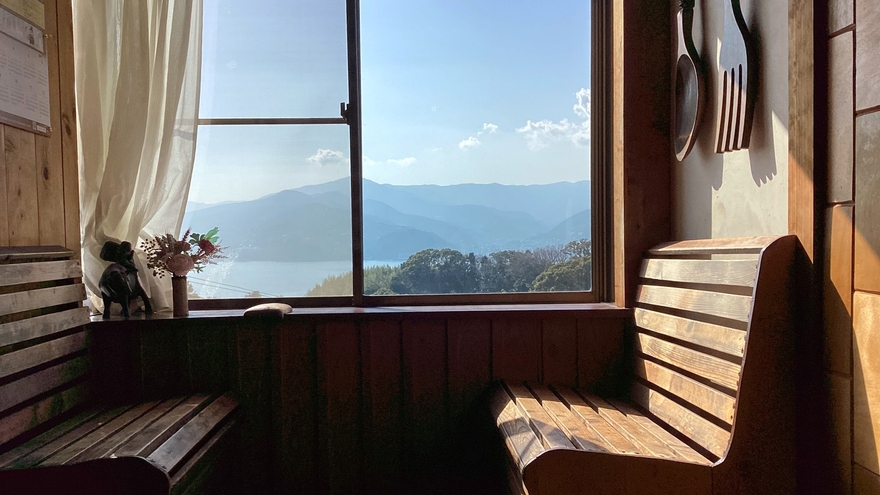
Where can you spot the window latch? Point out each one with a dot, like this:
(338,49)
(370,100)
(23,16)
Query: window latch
(344,109)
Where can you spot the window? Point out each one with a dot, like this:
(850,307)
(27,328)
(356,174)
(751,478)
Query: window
(465,141)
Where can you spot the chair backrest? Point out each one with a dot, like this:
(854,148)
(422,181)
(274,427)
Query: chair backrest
(44,358)
(693,319)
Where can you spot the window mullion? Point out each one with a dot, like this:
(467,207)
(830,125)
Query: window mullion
(354,120)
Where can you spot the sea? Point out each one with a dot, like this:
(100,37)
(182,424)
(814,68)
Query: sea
(234,279)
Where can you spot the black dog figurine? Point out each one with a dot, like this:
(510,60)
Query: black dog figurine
(119,282)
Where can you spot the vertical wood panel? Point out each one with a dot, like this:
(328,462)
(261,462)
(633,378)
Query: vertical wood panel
(516,349)
(295,397)
(560,351)
(207,354)
(838,289)
(163,358)
(339,386)
(470,358)
(21,187)
(600,355)
(424,375)
(67,126)
(4,215)
(50,170)
(382,406)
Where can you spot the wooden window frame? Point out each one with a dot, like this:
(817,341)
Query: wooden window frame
(601,146)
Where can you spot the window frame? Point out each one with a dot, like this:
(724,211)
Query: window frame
(601,147)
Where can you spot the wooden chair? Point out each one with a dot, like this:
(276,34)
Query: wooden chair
(56,429)
(711,404)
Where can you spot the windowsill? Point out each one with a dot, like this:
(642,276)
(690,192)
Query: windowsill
(579,310)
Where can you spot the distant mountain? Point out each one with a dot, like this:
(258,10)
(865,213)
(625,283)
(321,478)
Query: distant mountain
(313,223)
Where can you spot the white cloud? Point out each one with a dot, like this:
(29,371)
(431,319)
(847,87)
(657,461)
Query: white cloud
(542,133)
(469,143)
(328,157)
(402,162)
(488,129)
(369,162)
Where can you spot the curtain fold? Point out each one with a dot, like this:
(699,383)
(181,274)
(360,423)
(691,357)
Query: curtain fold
(138,68)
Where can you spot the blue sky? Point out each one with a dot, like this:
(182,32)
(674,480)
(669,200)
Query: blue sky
(454,91)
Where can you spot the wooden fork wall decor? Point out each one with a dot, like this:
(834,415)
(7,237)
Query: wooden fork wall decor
(737,77)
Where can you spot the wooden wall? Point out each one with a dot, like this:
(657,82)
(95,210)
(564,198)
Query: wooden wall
(852,244)
(361,404)
(39,195)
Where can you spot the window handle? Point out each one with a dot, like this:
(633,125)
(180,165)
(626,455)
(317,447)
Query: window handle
(343,111)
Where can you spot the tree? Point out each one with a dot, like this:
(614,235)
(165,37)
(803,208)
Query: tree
(571,275)
(436,271)
(510,271)
(578,249)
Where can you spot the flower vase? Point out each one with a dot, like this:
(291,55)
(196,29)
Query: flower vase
(180,296)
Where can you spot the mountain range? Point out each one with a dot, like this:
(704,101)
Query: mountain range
(313,223)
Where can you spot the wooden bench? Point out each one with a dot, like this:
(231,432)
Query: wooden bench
(710,409)
(56,429)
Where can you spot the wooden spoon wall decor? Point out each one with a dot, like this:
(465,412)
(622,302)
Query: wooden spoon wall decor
(689,84)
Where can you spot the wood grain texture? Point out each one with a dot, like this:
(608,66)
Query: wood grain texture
(516,349)
(424,384)
(702,247)
(840,405)
(840,14)
(713,369)
(718,404)
(867,63)
(560,351)
(382,406)
(683,450)
(600,355)
(42,326)
(866,380)
(582,435)
(590,416)
(4,194)
(50,170)
(66,428)
(17,302)
(42,411)
(841,112)
(801,131)
(26,273)
(715,272)
(35,384)
(838,288)
(21,187)
(157,432)
(646,442)
(718,304)
(470,351)
(720,338)
(518,434)
(867,209)
(30,357)
(339,389)
(67,128)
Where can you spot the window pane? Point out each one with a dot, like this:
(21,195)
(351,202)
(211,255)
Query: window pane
(273,58)
(281,196)
(476,137)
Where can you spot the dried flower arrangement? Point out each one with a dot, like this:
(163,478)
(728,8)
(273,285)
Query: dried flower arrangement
(167,254)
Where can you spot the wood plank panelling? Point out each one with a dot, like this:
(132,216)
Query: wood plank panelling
(382,406)
(600,355)
(559,346)
(39,178)
(516,350)
(838,288)
(470,360)
(339,407)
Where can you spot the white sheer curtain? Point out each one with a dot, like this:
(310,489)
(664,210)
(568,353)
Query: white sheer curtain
(137,86)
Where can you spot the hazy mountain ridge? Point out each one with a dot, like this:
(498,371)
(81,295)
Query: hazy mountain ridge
(313,223)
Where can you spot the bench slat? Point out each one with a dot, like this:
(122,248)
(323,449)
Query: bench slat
(38,383)
(583,435)
(42,411)
(630,428)
(706,398)
(94,437)
(671,440)
(17,302)
(708,435)
(730,306)
(521,441)
(36,355)
(551,435)
(587,414)
(741,245)
(185,440)
(156,433)
(717,337)
(740,273)
(184,476)
(16,254)
(41,440)
(716,370)
(108,447)
(28,273)
(42,326)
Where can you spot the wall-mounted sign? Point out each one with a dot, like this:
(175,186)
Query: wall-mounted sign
(24,67)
